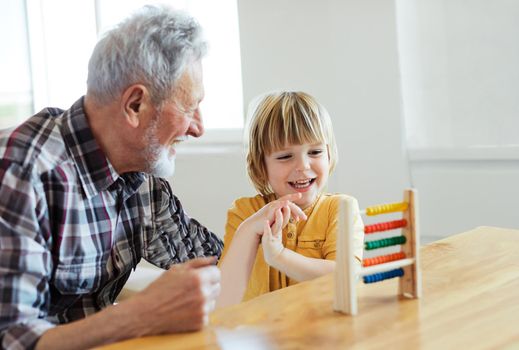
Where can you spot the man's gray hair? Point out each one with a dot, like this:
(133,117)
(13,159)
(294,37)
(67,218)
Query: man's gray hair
(152,47)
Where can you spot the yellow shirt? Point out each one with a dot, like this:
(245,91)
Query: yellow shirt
(314,238)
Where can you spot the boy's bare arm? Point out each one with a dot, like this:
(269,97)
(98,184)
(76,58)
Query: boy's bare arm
(296,266)
(301,268)
(237,265)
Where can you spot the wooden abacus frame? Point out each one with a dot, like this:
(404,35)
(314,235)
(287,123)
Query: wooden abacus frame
(346,272)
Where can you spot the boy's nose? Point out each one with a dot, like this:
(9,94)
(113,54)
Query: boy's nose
(303,164)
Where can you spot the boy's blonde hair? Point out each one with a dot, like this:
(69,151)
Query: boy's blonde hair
(277,119)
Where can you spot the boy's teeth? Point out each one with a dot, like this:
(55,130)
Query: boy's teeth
(301,183)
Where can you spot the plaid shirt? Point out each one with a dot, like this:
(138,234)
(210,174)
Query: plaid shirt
(72,229)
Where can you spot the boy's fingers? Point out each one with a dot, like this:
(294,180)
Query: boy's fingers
(291,197)
(286,215)
(266,230)
(274,206)
(278,223)
(286,201)
(297,213)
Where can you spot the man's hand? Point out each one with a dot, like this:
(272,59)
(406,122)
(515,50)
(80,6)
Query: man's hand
(180,299)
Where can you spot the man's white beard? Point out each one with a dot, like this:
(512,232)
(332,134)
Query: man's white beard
(164,165)
(160,162)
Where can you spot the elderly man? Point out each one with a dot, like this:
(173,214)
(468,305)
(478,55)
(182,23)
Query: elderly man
(82,198)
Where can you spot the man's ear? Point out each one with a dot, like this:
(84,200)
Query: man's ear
(132,102)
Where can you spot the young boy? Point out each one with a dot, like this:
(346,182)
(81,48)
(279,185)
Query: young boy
(286,233)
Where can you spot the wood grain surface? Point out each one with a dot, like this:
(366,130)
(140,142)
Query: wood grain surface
(470,301)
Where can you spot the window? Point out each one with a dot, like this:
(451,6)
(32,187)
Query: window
(53,40)
(15,84)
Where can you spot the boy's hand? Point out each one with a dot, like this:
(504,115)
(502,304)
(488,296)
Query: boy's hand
(267,213)
(271,240)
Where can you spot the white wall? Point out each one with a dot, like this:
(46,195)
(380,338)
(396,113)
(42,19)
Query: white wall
(208,180)
(460,76)
(448,66)
(460,85)
(460,194)
(345,54)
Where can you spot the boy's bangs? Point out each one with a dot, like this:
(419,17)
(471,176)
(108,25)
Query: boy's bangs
(293,129)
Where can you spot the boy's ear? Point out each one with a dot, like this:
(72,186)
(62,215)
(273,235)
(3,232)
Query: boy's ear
(133,99)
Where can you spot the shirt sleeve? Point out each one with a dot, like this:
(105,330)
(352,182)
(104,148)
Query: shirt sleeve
(176,237)
(25,261)
(235,216)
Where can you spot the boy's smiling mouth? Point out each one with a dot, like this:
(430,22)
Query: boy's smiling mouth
(302,184)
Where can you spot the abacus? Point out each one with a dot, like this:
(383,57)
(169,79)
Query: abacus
(403,265)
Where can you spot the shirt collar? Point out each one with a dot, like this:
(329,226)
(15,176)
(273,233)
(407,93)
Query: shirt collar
(310,209)
(96,173)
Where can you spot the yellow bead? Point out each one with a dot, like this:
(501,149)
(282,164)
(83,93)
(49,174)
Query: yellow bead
(386,208)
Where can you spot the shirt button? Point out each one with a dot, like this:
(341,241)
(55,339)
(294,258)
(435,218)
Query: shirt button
(316,244)
(290,235)
(291,220)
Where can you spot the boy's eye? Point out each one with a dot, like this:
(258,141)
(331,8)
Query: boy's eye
(316,152)
(283,157)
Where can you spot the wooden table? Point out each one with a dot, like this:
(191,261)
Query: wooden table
(470,301)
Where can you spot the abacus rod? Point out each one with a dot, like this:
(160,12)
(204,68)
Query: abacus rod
(363,212)
(385,266)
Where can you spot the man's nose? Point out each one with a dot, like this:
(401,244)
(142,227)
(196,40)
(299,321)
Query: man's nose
(196,128)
